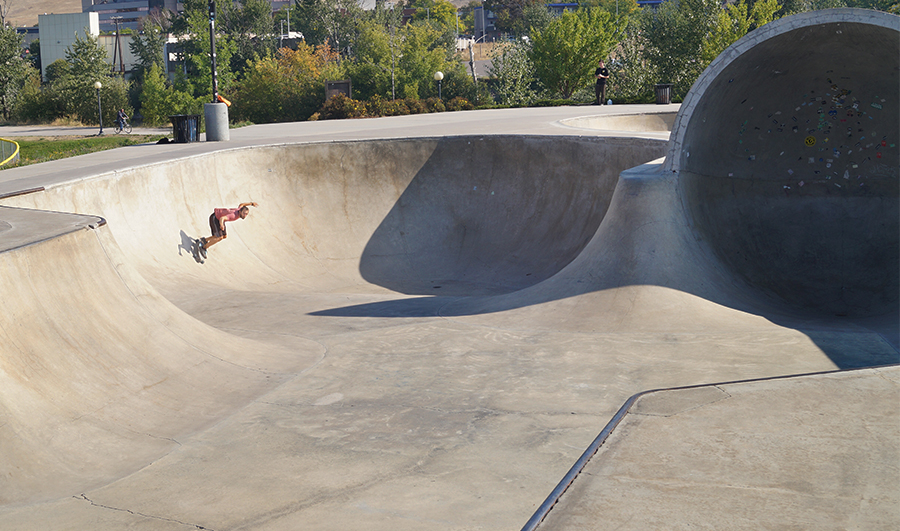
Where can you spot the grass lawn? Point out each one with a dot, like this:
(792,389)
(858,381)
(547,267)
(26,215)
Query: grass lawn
(33,150)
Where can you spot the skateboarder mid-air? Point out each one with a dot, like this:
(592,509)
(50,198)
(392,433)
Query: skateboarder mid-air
(217,221)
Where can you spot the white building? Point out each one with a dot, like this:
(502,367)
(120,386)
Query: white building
(58,33)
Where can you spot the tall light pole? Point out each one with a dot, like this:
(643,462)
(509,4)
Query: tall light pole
(216,112)
(212,48)
(98,85)
(393,86)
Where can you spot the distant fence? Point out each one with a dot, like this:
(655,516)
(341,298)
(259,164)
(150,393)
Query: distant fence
(9,151)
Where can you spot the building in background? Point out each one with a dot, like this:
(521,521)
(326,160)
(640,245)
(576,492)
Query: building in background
(29,35)
(128,12)
(560,8)
(485,25)
(58,33)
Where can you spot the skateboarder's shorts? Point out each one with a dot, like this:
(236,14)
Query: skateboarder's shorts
(214,226)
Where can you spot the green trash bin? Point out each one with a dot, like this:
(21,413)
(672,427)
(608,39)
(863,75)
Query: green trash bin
(185,127)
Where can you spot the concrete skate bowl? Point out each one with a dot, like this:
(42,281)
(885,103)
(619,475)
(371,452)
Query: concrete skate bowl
(661,121)
(493,215)
(786,152)
(460,216)
(453,216)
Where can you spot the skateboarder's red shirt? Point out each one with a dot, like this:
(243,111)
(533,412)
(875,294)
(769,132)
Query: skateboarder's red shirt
(230,214)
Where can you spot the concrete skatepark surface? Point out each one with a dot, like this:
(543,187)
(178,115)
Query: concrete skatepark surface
(706,454)
(424,323)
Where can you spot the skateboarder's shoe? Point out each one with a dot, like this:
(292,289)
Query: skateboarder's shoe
(202,247)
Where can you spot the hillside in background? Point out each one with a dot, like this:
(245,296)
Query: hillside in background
(25,12)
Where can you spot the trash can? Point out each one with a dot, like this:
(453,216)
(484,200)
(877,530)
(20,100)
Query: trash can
(664,93)
(185,127)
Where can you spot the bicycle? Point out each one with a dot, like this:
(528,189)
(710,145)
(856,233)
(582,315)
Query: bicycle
(126,127)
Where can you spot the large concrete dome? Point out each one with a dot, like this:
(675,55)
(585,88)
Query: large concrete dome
(787,155)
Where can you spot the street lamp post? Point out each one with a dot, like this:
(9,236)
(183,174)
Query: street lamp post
(212,49)
(98,85)
(438,76)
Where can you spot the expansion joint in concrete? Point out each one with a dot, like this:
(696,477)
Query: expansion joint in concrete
(142,515)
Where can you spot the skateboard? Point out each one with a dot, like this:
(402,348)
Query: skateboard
(199,251)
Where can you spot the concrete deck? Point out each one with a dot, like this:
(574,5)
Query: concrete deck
(816,452)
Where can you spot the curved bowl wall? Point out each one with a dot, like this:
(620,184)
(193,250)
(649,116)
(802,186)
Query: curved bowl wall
(787,154)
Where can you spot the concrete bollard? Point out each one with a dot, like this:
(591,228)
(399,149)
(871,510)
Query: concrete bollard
(216,115)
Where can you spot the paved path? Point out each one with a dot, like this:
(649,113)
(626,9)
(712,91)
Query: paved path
(12,131)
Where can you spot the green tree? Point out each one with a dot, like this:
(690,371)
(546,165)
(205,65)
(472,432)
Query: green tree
(287,87)
(34,53)
(250,26)
(622,8)
(733,22)
(148,45)
(32,105)
(74,90)
(14,70)
(154,98)
(631,73)
(566,53)
(331,22)
(439,12)
(510,13)
(390,61)
(422,54)
(513,73)
(192,29)
(535,18)
(371,67)
(467,17)
(674,38)
(57,70)
(87,59)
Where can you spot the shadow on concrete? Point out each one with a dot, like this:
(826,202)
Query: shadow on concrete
(786,204)
(461,253)
(493,215)
(189,244)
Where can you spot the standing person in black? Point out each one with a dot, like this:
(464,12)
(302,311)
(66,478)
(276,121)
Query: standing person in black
(602,74)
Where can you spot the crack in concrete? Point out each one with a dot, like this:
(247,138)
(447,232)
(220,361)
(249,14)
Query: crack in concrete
(142,515)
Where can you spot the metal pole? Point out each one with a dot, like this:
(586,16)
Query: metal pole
(483,27)
(115,44)
(119,47)
(393,86)
(472,63)
(99,112)
(212,49)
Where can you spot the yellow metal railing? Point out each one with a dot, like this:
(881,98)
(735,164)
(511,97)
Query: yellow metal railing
(9,151)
